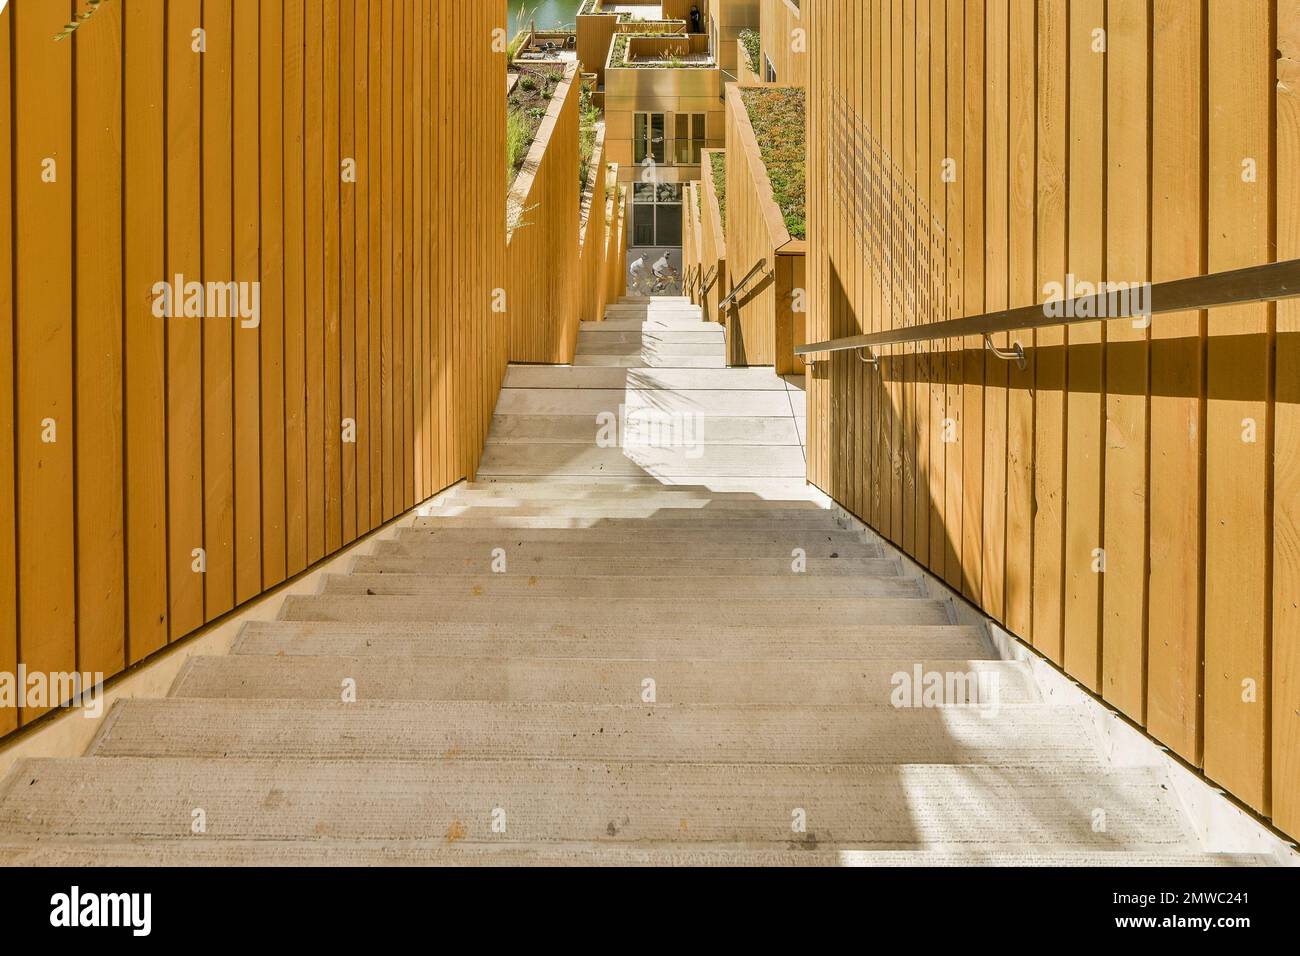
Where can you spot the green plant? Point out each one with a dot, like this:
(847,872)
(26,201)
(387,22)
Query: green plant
(588,120)
(752,42)
(718,160)
(518,138)
(777,116)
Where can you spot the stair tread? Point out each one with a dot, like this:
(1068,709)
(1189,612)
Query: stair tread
(440,851)
(531,584)
(527,611)
(899,805)
(373,729)
(392,560)
(408,641)
(593,680)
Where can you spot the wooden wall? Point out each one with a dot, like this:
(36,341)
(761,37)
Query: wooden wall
(592,239)
(713,244)
(128,157)
(544,281)
(784,38)
(756,232)
(1112,139)
(691,237)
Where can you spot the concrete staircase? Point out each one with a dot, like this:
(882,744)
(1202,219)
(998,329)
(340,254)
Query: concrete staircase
(608,655)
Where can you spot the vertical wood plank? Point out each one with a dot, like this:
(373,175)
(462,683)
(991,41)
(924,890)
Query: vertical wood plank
(1050,343)
(273,275)
(997,213)
(973,367)
(1083,460)
(375,187)
(314,272)
(364,182)
(1238,542)
(101,611)
(217,325)
(246,193)
(955,424)
(295,289)
(388,409)
(184,333)
(348,335)
(145,369)
(332,388)
(939,286)
(1286,491)
(8,372)
(43,277)
(1021,290)
(1177,362)
(1128,119)
(923,504)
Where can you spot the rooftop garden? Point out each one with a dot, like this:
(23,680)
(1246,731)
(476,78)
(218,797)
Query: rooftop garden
(777,116)
(718,160)
(659,51)
(752,43)
(594,7)
(588,125)
(525,108)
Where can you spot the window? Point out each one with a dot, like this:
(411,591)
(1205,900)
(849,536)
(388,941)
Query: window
(769,71)
(648,138)
(689,138)
(656,214)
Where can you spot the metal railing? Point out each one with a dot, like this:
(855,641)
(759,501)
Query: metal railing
(740,286)
(1265,283)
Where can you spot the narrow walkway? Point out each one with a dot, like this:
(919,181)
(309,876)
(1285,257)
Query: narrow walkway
(653,652)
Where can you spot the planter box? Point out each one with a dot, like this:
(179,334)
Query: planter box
(763,326)
(544,281)
(713,243)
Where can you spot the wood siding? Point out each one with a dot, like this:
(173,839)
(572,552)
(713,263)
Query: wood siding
(142,149)
(1126,502)
(762,325)
(784,39)
(544,282)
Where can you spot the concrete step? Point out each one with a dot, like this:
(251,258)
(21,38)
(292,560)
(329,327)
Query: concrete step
(664,518)
(761,461)
(531,584)
(525,612)
(371,729)
(665,338)
(686,323)
(579,489)
(650,359)
(980,686)
(608,345)
(394,558)
(399,644)
(644,427)
(440,852)
(553,801)
(733,511)
(650,299)
(679,379)
(713,403)
(733,540)
(554,500)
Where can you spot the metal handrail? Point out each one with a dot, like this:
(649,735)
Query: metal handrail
(739,286)
(706,279)
(1265,283)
